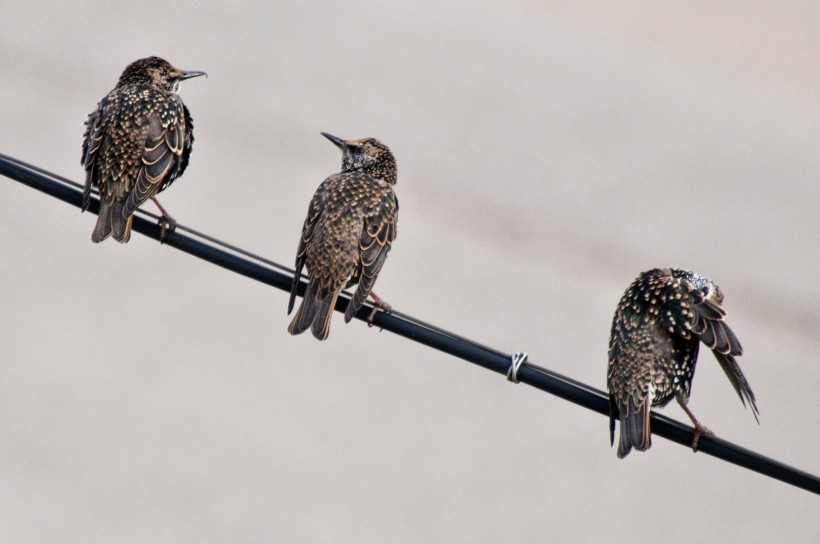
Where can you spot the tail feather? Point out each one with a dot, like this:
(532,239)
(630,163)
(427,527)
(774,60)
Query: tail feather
(635,431)
(359,297)
(315,312)
(111,222)
(613,410)
(86,193)
(294,287)
(324,312)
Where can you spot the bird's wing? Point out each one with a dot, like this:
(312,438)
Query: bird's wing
(690,312)
(632,350)
(166,142)
(313,214)
(188,141)
(94,135)
(378,233)
(632,355)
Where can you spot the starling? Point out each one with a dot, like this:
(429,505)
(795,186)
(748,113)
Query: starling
(653,348)
(137,142)
(349,229)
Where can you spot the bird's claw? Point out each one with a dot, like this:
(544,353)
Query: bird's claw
(381,305)
(166,224)
(699,430)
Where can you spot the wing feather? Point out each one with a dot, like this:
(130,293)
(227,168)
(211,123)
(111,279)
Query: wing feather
(693,313)
(91,145)
(379,232)
(163,154)
(314,212)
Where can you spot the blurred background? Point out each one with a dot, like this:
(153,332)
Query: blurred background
(548,152)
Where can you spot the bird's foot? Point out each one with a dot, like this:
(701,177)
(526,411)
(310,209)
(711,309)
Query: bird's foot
(166,224)
(699,430)
(378,304)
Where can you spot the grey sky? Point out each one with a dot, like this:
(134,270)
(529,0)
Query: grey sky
(547,151)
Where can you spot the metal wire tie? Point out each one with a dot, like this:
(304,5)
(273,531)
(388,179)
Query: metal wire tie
(518,358)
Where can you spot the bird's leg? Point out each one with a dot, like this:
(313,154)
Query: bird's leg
(699,429)
(378,304)
(165,221)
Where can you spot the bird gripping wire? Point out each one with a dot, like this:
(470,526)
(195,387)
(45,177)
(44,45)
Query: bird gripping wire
(247,264)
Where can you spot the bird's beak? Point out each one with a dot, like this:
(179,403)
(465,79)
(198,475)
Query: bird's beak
(190,74)
(341,144)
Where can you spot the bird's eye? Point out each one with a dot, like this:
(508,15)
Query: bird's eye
(706,291)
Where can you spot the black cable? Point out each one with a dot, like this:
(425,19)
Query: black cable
(268,272)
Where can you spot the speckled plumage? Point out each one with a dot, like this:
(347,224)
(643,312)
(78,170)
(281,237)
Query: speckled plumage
(137,142)
(656,332)
(347,234)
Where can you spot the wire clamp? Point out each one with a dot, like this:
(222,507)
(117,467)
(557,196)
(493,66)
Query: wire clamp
(518,358)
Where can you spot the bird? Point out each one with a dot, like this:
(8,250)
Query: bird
(349,229)
(137,142)
(658,326)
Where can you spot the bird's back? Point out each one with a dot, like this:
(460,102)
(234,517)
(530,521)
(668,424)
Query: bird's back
(348,200)
(644,354)
(123,120)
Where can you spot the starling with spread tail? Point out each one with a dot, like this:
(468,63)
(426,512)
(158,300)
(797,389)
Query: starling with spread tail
(653,348)
(137,142)
(348,232)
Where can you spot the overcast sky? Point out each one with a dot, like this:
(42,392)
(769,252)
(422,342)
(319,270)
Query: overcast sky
(548,152)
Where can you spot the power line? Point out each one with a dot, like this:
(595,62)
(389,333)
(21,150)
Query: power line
(514,366)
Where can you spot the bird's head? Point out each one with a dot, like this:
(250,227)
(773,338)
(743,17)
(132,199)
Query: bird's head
(709,289)
(156,72)
(367,155)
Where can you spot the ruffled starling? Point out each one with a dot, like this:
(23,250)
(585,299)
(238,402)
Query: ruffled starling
(653,348)
(349,229)
(137,142)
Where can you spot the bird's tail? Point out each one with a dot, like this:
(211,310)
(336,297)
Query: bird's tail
(314,312)
(635,431)
(111,222)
